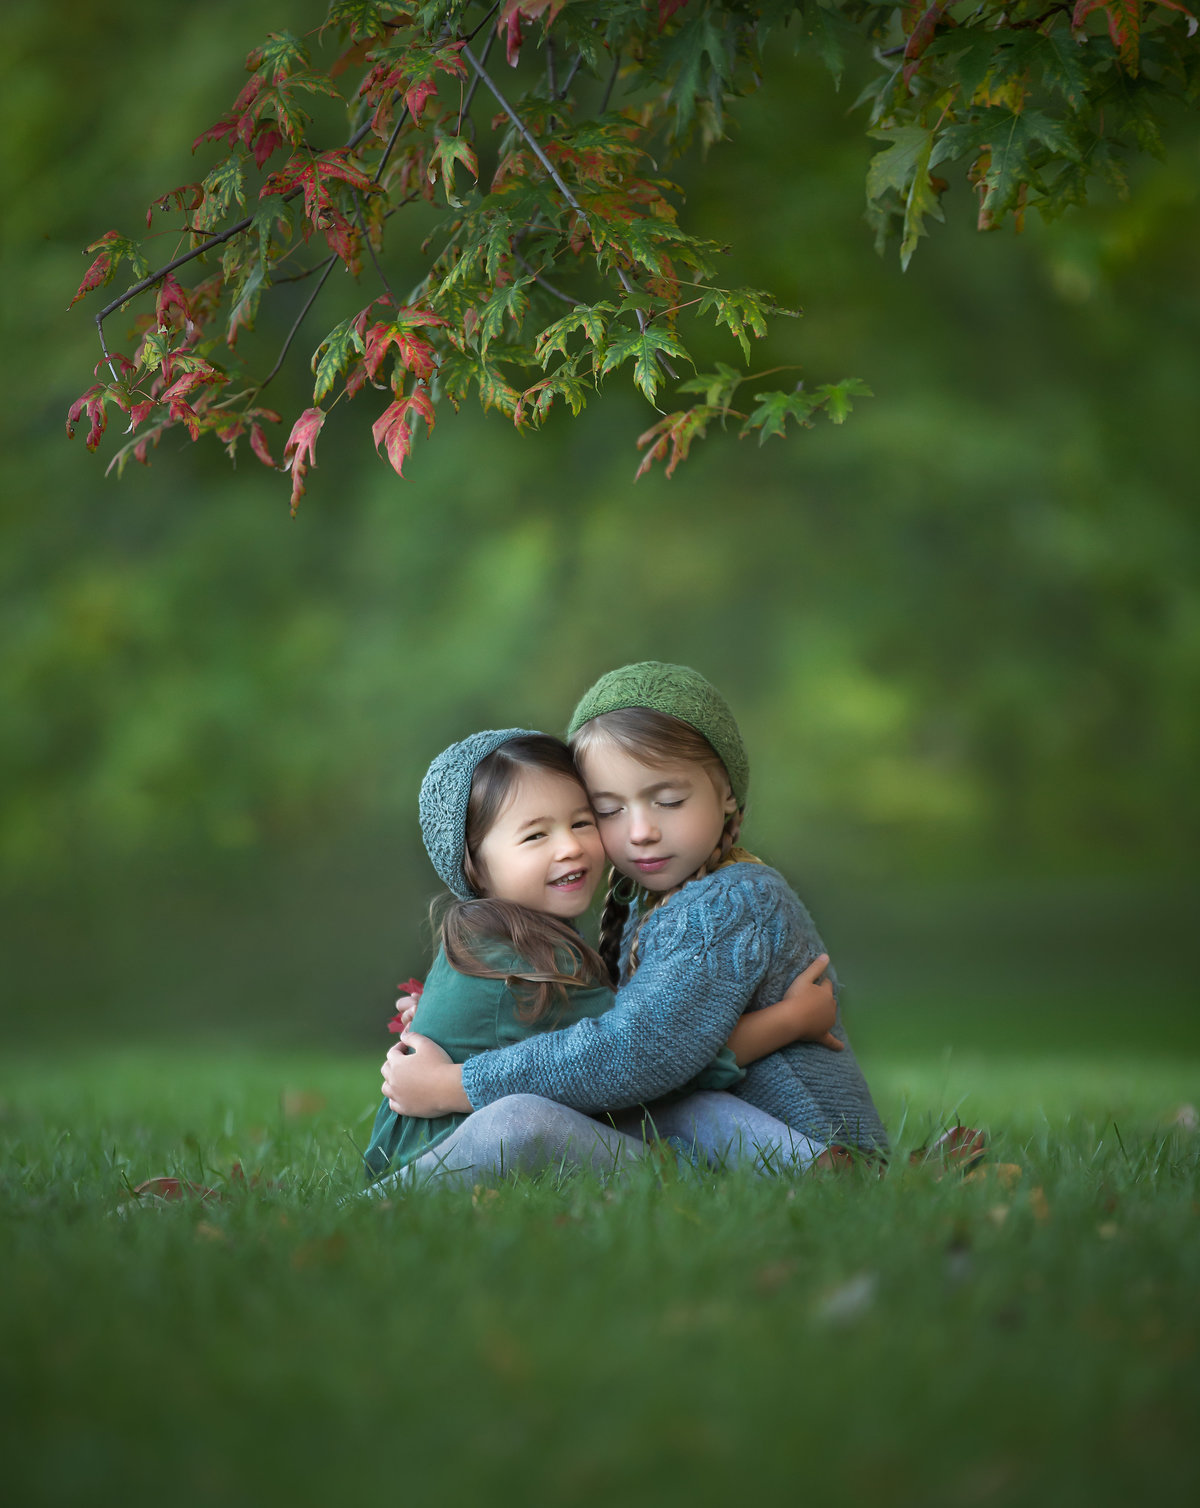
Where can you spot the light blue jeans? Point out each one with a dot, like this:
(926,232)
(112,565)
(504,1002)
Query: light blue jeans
(723,1131)
(521,1133)
(524,1133)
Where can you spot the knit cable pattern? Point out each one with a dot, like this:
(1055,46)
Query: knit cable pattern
(724,944)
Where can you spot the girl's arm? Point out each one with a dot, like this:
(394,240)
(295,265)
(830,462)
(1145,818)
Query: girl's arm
(704,955)
(807,1013)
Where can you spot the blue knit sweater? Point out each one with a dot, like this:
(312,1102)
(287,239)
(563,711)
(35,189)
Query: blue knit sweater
(729,943)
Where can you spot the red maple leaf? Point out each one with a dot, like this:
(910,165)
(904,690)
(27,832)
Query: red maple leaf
(392,429)
(92,404)
(412,987)
(301,450)
(101,270)
(258,444)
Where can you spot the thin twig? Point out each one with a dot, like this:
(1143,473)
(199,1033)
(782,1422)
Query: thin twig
(567,298)
(570,79)
(551,81)
(300,318)
(608,88)
(362,225)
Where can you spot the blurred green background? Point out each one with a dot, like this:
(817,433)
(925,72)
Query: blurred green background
(962,632)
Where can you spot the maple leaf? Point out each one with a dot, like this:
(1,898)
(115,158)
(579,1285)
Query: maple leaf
(333,355)
(644,346)
(314,174)
(92,403)
(393,429)
(590,318)
(300,451)
(258,444)
(413,354)
(774,410)
(448,151)
(676,432)
(511,301)
(738,308)
(836,396)
(113,248)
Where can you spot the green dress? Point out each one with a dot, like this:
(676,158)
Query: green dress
(466,1015)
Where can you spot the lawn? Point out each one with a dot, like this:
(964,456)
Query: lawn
(1028,1336)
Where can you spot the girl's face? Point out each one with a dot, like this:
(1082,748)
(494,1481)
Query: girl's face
(659,823)
(543,850)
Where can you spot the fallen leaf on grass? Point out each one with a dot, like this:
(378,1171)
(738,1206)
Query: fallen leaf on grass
(1006,1174)
(1108,1230)
(174,1188)
(297,1102)
(481,1197)
(998,1214)
(1187,1118)
(327,1251)
(1038,1204)
(207,1232)
(774,1275)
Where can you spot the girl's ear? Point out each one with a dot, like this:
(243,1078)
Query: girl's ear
(728,799)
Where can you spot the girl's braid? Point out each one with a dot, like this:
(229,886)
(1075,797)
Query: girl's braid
(719,856)
(612,923)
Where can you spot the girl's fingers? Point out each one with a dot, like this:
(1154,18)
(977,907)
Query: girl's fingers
(830,1041)
(817,967)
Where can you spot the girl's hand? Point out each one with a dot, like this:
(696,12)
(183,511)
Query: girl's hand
(811,1006)
(405,1010)
(420,1079)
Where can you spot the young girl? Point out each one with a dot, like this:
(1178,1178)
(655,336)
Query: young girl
(509,828)
(704,932)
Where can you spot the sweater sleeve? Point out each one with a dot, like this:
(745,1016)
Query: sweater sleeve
(703,956)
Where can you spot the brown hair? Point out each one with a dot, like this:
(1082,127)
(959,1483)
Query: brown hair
(653,738)
(556,955)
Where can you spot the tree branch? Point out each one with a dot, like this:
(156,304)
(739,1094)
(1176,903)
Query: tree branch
(300,318)
(545,282)
(612,79)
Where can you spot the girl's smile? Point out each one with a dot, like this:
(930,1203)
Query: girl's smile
(543,850)
(659,823)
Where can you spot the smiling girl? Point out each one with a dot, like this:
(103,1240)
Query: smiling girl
(699,932)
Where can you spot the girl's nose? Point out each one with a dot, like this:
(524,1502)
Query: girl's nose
(569,845)
(642,828)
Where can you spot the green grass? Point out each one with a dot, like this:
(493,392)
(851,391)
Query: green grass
(838,1340)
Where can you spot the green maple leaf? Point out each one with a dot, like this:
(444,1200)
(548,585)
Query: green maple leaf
(1018,142)
(1061,64)
(836,397)
(334,355)
(592,319)
(512,302)
(718,387)
(278,56)
(448,151)
(701,56)
(360,18)
(775,409)
(905,167)
(644,346)
(225,185)
(739,308)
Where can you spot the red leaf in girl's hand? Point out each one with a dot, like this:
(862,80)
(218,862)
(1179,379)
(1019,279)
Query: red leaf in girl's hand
(412,987)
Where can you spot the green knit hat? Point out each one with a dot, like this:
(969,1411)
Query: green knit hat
(680,692)
(445,794)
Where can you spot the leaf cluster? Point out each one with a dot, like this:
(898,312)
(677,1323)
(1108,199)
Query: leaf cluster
(559,255)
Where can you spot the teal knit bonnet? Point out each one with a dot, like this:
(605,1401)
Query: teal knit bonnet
(445,794)
(680,692)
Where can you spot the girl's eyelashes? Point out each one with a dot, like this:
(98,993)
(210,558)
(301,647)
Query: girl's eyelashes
(584,822)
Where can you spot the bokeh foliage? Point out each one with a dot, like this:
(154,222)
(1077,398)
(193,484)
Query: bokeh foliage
(962,633)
